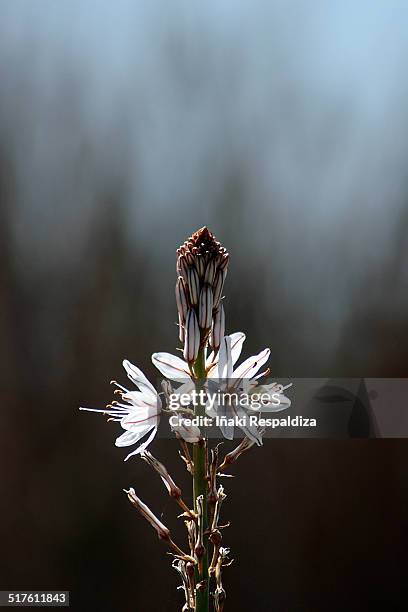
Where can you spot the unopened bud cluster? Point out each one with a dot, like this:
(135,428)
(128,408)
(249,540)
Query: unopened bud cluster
(201,268)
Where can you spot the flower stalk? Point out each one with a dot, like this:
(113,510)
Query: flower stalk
(201,267)
(200,490)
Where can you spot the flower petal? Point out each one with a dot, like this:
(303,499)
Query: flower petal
(237,342)
(130,437)
(250,366)
(212,409)
(251,431)
(224,368)
(227,431)
(138,378)
(141,399)
(225,413)
(144,445)
(140,419)
(170,366)
(186,387)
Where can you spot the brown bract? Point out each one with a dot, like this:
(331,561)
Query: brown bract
(202,243)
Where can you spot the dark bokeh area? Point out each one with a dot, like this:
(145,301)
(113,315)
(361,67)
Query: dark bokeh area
(124,127)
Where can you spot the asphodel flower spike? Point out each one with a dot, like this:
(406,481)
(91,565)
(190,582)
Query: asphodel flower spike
(208,369)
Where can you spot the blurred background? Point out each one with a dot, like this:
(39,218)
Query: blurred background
(124,127)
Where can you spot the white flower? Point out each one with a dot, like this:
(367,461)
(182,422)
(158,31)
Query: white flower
(245,377)
(139,413)
(243,381)
(221,376)
(235,383)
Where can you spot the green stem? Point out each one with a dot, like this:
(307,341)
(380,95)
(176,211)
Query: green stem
(200,487)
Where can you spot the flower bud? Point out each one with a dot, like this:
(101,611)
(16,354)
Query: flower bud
(172,489)
(194,286)
(218,286)
(219,598)
(242,447)
(192,337)
(205,310)
(181,297)
(162,531)
(200,265)
(181,329)
(182,267)
(210,272)
(218,329)
(223,264)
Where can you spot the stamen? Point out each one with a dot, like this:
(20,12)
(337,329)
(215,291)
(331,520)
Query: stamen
(113,382)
